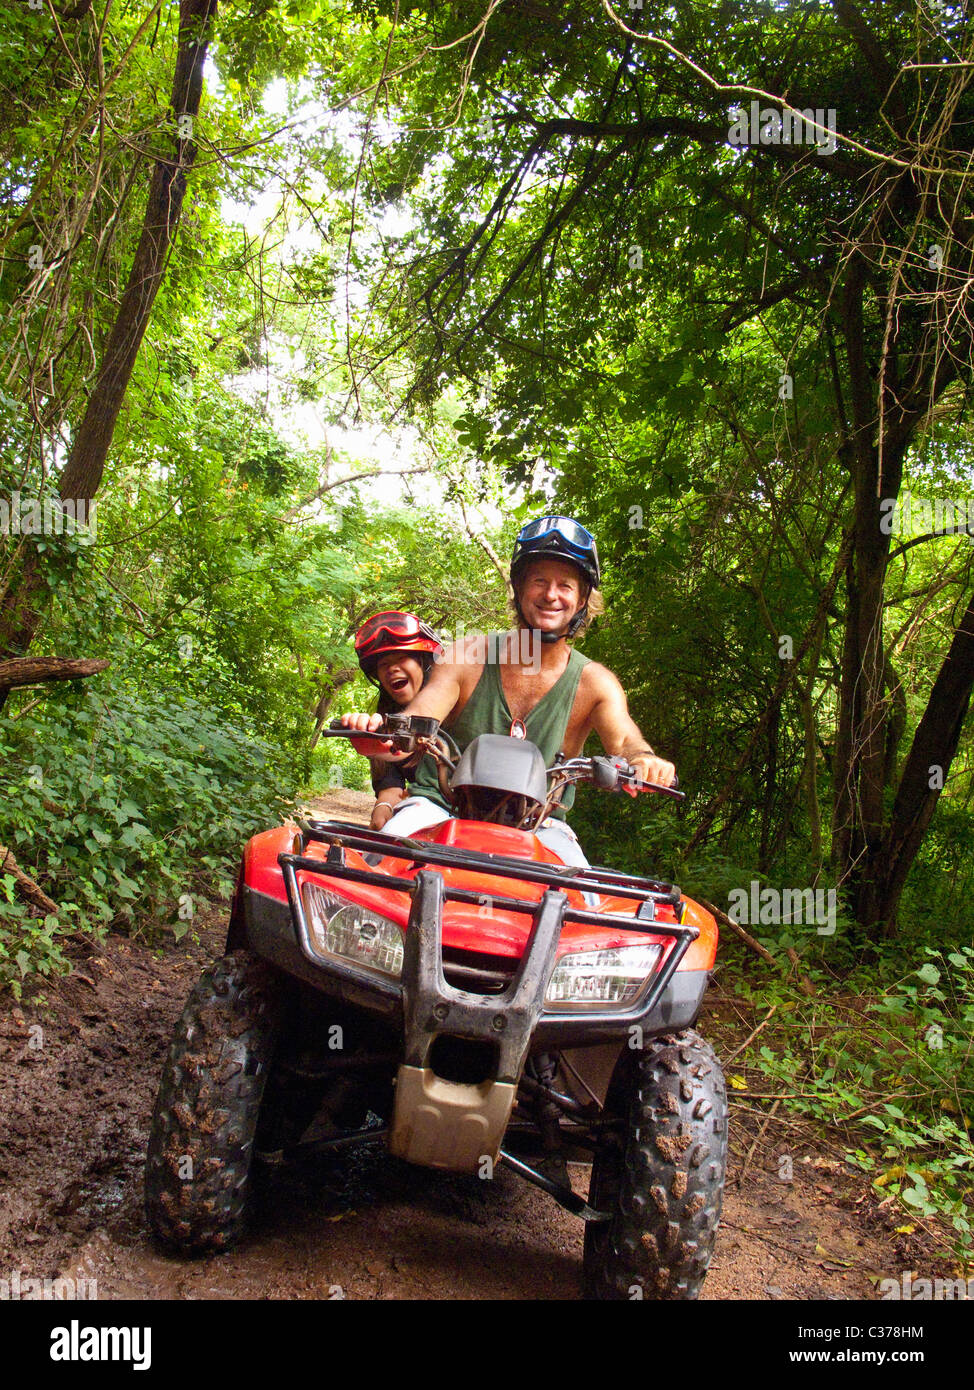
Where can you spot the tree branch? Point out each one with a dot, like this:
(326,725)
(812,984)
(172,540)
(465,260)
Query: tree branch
(354,478)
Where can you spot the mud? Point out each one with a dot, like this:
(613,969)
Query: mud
(79,1066)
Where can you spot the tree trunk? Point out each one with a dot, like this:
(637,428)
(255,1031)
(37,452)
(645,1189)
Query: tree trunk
(770,789)
(86,462)
(809,776)
(843,805)
(861,767)
(896,727)
(924,774)
(340,678)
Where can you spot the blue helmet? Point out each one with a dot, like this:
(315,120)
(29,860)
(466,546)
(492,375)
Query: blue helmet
(557,538)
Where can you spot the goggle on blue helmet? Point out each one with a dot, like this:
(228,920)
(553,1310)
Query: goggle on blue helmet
(558,538)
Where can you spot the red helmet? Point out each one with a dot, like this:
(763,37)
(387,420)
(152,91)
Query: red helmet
(394,632)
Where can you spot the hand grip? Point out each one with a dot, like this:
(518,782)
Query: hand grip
(368,745)
(656,787)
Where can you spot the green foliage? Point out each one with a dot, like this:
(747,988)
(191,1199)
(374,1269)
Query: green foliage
(127,808)
(930,1016)
(887,1060)
(546,367)
(336,764)
(28,945)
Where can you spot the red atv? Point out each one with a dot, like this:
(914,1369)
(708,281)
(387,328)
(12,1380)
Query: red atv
(471,1000)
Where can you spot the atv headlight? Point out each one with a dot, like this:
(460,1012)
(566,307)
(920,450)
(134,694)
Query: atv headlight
(348,932)
(599,978)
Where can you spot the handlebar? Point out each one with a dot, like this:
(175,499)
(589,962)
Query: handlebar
(408,732)
(402,731)
(613,774)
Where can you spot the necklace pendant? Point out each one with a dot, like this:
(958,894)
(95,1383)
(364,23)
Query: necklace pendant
(518,729)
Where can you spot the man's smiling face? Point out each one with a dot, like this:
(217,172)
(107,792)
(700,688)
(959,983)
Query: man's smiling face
(400,675)
(550,594)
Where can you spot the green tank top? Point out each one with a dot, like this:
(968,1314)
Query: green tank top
(487,712)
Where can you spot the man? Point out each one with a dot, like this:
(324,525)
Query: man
(556,702)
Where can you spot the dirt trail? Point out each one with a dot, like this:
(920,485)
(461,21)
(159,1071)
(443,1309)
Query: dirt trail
(75,1102)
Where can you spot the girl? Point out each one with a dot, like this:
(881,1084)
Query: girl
(396,651)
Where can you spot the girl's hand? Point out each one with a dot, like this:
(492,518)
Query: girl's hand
(381,812)
(369,747)
(366,723)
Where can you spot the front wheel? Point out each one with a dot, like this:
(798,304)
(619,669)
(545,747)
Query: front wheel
(660,1172)
(198,1170)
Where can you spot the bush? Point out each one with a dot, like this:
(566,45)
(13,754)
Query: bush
(126,808)
(930,1018)
(886,1060)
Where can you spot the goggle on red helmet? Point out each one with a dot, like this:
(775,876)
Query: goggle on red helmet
(394,631)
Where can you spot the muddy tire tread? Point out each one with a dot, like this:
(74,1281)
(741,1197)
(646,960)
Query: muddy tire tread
(668,1187)
(208,1106)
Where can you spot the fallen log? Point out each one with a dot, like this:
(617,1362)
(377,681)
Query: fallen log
(29,670)
(29,890)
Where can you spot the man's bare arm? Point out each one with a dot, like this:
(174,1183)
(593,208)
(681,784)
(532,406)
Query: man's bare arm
(621,735)
(441,692)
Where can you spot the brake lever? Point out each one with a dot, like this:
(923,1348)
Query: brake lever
(635,786)
(380,742)
(401,731)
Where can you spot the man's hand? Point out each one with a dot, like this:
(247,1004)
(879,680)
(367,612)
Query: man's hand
(650,768)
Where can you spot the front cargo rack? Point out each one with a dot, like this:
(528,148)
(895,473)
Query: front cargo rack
(340,835)
(595,879)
